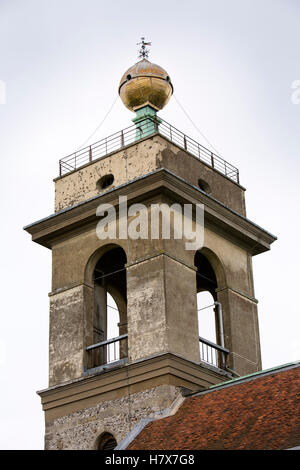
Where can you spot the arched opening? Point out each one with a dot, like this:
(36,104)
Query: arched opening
(206,278)
(110,309)
(106,442)
(209,311)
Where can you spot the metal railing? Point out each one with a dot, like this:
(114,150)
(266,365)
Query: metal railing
(116,349)
(108,351)
(212,353)
(147,127)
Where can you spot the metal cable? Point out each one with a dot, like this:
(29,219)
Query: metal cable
(203,308)
(109,274)
(195,126)
(98,127)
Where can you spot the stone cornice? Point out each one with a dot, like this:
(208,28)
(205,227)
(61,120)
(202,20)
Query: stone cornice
(236,227)
(166,368)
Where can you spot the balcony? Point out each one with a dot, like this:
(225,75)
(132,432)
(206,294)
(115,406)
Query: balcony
(213,354)
(114,352)
(108,353)
(146,128)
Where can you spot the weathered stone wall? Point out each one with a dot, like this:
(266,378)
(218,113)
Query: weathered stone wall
(162,310)
(80,430)
(147,329)
(141,159)
(241,331)
(192,169)
(71,317)
(125,165)
(181,309)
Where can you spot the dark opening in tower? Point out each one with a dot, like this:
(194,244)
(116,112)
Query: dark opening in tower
(110,309)
(207,311)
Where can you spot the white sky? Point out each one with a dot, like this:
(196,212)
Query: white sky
(232,64)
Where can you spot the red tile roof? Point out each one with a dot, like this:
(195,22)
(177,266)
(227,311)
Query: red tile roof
(261,412)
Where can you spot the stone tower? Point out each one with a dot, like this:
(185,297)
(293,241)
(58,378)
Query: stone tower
(102,383)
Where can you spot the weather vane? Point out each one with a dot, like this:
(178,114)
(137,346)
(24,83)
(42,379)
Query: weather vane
(143,51)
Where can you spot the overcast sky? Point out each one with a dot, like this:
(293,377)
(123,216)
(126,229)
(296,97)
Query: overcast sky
(232,63)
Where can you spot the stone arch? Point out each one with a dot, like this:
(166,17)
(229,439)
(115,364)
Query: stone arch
(94,258)
(210,277)
(105,276)
(205,275)
(216,265)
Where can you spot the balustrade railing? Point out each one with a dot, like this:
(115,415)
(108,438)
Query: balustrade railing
(212,353)
(145,128)
(108,351)
(116,349)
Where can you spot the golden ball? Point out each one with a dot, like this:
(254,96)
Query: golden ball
(145,84)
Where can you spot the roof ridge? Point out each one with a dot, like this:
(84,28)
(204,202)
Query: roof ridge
(246,378)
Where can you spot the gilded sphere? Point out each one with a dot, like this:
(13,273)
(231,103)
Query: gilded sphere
(145,84)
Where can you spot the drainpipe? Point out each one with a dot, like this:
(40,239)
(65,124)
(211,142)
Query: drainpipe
(220,321)
(221,330)
(222,338)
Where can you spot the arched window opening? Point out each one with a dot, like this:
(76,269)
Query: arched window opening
(110,310)
(210,321)
(106,442)
(206,278)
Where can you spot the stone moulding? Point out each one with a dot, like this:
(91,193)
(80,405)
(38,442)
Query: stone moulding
(232,225)
(166,368)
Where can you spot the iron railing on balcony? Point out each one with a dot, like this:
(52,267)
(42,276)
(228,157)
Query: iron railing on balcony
(116,349)
(108,351)
(212,353)
(145,128)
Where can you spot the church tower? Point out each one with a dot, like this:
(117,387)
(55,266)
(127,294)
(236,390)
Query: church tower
(124,336)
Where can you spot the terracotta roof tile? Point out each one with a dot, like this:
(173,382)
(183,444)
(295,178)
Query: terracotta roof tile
(261,413)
